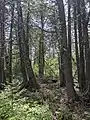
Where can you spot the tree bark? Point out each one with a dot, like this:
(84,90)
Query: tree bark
(41,49)
(69,39)
(11,42)
(26,67)
(2,44)
(27,32)
(85,35)
(60,60)
(68,76)
(82,62)
(76,42)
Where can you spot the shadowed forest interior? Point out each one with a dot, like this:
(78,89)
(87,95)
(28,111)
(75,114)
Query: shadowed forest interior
(44,59)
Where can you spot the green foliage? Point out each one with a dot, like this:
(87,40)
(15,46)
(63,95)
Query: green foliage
(35,68)
(65,115)
(51,68)
(14,107)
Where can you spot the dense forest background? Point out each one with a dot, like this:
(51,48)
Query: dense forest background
(44,59)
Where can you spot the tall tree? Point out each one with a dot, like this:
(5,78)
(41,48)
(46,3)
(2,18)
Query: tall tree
(69,37)
(81,46)
(26,68)
(76,40)
(11,41)
(2,43)
(85,35)
(60,60)
(41,45)
(68,75)
(27,32)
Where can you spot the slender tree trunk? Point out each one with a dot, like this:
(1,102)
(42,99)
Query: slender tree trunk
(41,50)
(82,62)
(85,27)
(2,44)
(60,61)
(10,51)
(87,92)
(61,69)
(85,36)
(27,32)
(69,38)
(76,42)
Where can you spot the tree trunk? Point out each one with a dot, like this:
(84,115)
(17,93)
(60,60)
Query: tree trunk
(10,51)
(68,76)
(26,67)
(82,62)
(87,92)
(85,35)
(2,44)
(69,38)
(76,43)
(41,50)
(85,27)
(60,61)
(27,32)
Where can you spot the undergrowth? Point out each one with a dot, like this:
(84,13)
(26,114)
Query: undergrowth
(36,106)
(14,107)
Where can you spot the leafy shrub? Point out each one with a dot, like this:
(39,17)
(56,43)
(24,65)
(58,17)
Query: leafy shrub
(64,115)
(14,107)
(51,68)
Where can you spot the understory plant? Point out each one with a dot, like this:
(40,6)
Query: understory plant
(15,107)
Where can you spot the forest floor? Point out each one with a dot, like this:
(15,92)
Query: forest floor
(57,100)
